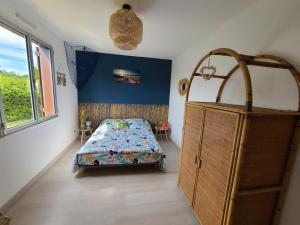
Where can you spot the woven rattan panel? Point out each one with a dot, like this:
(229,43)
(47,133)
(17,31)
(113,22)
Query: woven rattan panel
(192,138)
(266,151)
(219,137)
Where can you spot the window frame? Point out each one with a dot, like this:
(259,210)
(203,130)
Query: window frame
(29,39)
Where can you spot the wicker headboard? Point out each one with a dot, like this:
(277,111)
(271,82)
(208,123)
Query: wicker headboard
(97,112)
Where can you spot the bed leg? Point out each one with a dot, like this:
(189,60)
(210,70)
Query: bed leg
(161,165)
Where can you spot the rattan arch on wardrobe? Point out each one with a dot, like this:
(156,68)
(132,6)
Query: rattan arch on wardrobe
(236,160)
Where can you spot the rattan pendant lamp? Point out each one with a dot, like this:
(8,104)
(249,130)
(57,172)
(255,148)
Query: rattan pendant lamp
(125,28)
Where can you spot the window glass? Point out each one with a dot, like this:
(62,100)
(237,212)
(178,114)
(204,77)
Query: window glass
(26,79)
(43,80)
(15,79)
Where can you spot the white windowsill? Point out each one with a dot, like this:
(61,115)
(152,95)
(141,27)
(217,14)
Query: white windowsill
(27,125)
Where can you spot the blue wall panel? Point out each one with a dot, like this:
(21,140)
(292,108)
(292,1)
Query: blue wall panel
(97,85)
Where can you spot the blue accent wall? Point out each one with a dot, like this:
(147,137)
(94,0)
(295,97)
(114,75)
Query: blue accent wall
(95,79)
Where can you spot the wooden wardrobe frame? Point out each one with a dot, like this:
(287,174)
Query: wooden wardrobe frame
(243,61)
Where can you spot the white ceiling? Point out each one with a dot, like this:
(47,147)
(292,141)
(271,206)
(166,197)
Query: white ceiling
(170,26)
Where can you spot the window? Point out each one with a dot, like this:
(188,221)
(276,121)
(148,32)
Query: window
(43,80)
(15,79)
(26,80)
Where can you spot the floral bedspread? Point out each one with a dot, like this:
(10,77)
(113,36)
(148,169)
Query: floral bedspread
(110,145)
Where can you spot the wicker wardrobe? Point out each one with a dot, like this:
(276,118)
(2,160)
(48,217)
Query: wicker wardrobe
(236,160)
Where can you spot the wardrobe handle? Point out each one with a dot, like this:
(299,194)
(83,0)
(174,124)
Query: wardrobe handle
(200,163)
(196,159)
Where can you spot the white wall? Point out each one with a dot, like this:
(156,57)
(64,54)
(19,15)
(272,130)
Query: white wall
(25,153)
(264,27)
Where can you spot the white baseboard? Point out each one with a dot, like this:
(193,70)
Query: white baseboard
(11,202)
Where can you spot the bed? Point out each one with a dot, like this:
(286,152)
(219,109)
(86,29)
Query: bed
(119,142)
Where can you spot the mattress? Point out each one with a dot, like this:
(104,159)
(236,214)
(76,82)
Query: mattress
(112,145)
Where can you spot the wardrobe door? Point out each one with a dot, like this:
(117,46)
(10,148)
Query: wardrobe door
(190,147)
(219,137)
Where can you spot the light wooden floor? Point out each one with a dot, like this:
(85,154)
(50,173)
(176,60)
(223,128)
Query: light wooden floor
(110,196)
